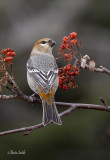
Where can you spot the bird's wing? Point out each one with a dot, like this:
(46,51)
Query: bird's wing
(45,79)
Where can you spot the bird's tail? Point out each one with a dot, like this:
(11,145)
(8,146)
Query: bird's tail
(50,114)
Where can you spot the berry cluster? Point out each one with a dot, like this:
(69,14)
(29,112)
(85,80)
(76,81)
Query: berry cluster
(67,76)
(6,57)
(66,49)
(69,49)
(67,41)
(8,54)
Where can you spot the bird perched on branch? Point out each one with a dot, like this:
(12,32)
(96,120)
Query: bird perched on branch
(42,76)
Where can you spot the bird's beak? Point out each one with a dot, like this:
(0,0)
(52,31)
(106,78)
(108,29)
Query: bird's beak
(51,43)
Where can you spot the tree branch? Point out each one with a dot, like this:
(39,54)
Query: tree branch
(7,97)
(18,94)
(101,69)
(72,107)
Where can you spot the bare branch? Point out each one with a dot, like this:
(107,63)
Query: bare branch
(7,97)
(72,107)
(101,69)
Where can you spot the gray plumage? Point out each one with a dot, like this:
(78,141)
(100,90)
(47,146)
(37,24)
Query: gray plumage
(44,71)
(50,114)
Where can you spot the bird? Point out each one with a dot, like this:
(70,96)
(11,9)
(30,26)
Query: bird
(42,77)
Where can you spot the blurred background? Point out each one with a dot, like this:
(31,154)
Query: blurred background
(85,134)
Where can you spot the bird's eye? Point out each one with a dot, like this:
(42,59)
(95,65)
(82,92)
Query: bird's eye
(43,42)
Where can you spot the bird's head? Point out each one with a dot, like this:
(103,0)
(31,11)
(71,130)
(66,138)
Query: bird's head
(43,46)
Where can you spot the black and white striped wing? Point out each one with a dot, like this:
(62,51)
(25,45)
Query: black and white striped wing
(44,79)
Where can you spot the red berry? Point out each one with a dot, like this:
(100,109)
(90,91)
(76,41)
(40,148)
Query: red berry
(65,68)
(65,87)
(9,54)
(76,68)
(8,49)
(69,65)
(67,56)
(77,73)
(4,51)
(60,81)
(71,73)
(65,39)
(73,35)
(63,46)
(9,59)
(63,78)
(13,54)
(59,71)
(67,45)
(68,68)
(74,41)
(11,50)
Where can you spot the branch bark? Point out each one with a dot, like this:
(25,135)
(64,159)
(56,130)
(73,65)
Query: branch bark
(103,70)
(100,70)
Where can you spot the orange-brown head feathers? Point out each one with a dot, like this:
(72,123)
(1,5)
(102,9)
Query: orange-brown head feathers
(43,46)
